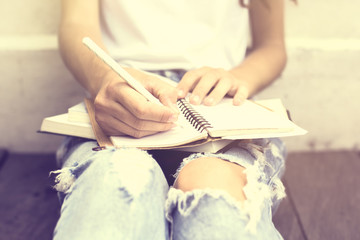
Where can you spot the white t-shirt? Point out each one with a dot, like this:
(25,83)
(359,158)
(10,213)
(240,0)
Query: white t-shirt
(175,34)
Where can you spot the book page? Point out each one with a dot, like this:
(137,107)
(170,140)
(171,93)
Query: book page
(78,113)
(60,124)
(275,105)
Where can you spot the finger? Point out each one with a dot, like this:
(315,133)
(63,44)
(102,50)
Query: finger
(218,93)
(114,127)
(204,86)
(138,106)
(189,81)
(116,111)
(241,95)
(166,93)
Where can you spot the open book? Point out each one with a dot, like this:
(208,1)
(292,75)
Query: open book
(197,125)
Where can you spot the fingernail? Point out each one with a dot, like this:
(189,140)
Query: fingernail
(209,101)
(238,101)
(195,99)
(180,93)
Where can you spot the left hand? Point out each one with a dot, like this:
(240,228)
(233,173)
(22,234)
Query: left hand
(210,85)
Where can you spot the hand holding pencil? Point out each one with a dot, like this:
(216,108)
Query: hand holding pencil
(131,102)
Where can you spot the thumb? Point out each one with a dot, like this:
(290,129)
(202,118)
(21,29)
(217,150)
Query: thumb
(168,97)
(166,93)
(241,95)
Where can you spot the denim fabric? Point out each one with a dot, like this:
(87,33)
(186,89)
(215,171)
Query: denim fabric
(124,194)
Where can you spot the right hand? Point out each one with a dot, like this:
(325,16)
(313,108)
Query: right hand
(121,110)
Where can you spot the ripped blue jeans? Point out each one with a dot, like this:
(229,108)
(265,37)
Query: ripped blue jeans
(123,194)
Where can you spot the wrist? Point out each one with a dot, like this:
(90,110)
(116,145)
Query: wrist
(100,76)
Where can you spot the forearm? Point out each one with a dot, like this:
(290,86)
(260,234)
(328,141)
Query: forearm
(88,70)
(261,67)
(268,56)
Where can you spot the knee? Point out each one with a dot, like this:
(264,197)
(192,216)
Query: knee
(127,168)
(215,173)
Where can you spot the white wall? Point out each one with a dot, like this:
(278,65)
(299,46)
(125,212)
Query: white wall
(34,81)
(320,84)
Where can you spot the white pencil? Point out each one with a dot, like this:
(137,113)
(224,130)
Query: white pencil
(119,70)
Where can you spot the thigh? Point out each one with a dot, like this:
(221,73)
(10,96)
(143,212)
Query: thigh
(118,193)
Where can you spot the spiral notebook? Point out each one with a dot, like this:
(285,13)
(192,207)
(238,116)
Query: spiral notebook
(199,124)
(199,128)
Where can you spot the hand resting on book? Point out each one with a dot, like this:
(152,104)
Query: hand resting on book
(210,85)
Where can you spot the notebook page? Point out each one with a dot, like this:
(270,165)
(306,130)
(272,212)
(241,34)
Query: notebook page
(181,134)
(227,119)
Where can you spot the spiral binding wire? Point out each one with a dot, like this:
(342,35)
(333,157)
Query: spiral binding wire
(195,119)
